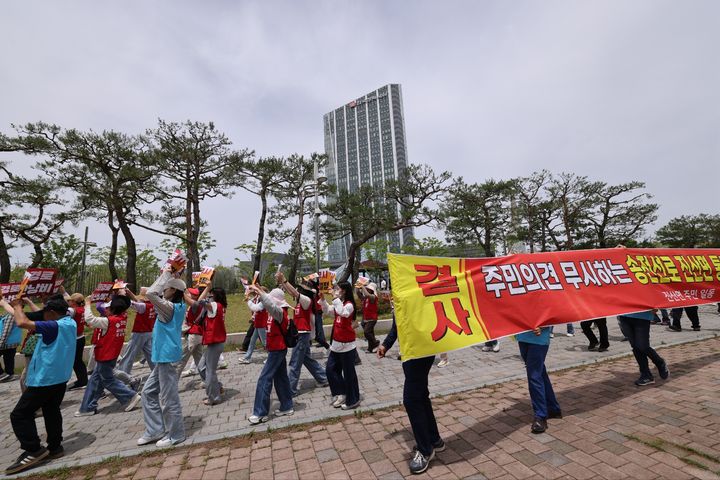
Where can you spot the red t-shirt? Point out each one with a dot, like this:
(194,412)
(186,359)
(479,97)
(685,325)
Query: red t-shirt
(109,345)
(214,331)
(144,322)
(275,337)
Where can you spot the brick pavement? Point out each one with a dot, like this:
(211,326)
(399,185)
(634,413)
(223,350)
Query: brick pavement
(486,429)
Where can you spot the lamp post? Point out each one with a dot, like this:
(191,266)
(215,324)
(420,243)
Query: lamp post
(318,181)
(84,255)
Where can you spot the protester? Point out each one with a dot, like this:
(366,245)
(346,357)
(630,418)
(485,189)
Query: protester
(569,328)
(636,328)
(275,370)
(193,334)
(214,301)
(31,339)
(77,311)
(47,377)
(692,313)
(304,322)
(260,320)
(340,368)
(162,410)
(491,346)
(368,295)
(600,345)
(534,345)
(416,400)
(110,335)
(319,328)
(141,336)
(10,337)
(444,360)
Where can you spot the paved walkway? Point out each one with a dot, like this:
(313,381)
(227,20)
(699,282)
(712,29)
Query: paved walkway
(487,429)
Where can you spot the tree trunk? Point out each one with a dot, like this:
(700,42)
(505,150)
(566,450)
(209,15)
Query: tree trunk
(352,267)
(5,266)
(130,270)
(295,246)
(113,246)
(195,234)
(261,230)
(38,257)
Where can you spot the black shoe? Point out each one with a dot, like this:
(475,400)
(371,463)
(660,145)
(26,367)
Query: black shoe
(664,371)
(624,339)
(557,414)
(696,329)
(438,446)
(75,386)
(642,381)
(539,425)
(27,460)
(603,348)
(358,361)
(674,328)
(420,462)
(56,453)
(592,346)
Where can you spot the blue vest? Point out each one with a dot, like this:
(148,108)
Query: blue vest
(52,364)
(15,336)
(166,344)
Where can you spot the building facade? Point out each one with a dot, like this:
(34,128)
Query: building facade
(365,145)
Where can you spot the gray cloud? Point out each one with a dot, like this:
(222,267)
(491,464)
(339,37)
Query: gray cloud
(615,90)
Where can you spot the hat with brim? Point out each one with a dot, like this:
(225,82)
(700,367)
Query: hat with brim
(278,297)
(372,287)
(176,283)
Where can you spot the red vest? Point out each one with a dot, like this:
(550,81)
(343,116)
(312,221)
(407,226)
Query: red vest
(79,318)
(275,338)
(370,309)
(342,328)
(260,318)
(108,346)
(302,318)
(191,318)
(214,331)
(144,322)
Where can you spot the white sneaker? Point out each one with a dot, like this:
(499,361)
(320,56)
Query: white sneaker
(485,348)
(339,400)
(137,364)
(254,419)
(443,363)
(188,373)
(345,406)
(222,364)
(85,414)
(570,334)
(166,442)
(552,335)
(283,413)
(133,403)
(243,361)
(146,441)
(496,348)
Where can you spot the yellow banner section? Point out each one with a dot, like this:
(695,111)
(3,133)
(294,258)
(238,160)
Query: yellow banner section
(435,307)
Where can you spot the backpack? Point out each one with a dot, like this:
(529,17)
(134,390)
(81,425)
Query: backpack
(291,334)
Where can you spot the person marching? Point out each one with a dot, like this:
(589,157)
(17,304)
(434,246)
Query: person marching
(193,333)
(141,336)
(340,368)
(10,337)
(275,370)
(259,320)
(77,307)
(162,410)
(304,320)
(369,299)
(109,336)
(214,301)
(46,382)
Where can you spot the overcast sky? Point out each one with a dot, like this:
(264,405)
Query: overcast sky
(616,90)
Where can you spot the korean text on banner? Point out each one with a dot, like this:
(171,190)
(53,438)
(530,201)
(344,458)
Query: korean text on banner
(443,304)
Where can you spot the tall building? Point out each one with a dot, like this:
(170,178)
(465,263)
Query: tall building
(365,145)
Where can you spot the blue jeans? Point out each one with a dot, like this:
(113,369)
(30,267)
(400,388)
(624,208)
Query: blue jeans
(139,342)
(162,410)
(416,399)
(258,332)
(542,395)
(570,328)
(274,372)
(340,371)
(320,331)
(103,377)
(637,331)
(301,356)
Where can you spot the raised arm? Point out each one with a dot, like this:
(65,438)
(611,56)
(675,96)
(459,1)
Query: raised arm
(92,320)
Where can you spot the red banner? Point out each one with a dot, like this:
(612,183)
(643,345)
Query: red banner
(447,303)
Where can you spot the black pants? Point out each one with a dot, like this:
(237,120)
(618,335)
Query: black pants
(637,331)
(601,324)
(23,416)
(416,399)
(79,366)
(369,331)
(248,336)
(8,356)
(692,313)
